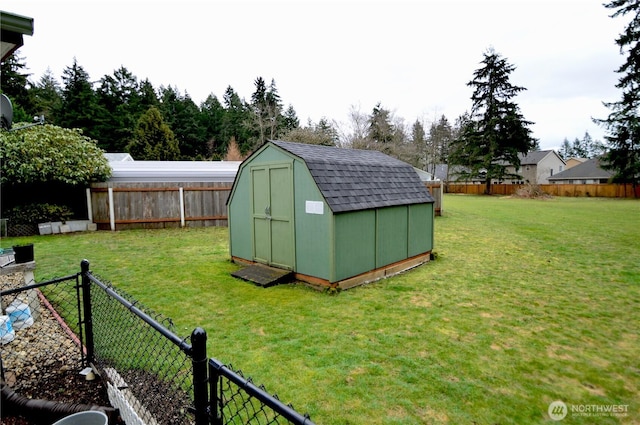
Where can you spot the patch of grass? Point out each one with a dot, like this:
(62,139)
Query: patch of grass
(529,301)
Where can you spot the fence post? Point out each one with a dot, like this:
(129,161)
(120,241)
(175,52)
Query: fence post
(112,210)
(86,304)
(200,379)
(181,195)
(215,390)
(89,205)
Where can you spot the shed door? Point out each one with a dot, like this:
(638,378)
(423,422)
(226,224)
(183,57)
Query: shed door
(272,209)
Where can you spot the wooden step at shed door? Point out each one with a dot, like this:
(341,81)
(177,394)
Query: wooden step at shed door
(264,276)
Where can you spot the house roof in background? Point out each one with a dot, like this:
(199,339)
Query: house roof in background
(12,28)
(534,158)
(174,171)
(423,175)
(353,179)
(438,172)
(588,170)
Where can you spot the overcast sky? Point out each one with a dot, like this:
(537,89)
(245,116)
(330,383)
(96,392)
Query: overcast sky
(326,57)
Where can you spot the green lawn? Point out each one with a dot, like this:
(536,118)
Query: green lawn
(529,301)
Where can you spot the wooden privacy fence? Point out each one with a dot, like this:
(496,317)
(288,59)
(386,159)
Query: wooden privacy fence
(119,206)
(603,190)
(435,188)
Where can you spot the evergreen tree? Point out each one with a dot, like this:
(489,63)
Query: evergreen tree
(14,85)
(274,110)
(47,95)
(623,123)
(212,120)
(380,126)
(440,137)
(259,109)
(327,129)
(579,149)
(181,114)
(236,116)
(147,96)
(79,107)
(566,151)
(267,111)
(419,140)
(153,139)
(118,109)
(496,132)
(380,130)
(582,148)
(290,119)
(595,148)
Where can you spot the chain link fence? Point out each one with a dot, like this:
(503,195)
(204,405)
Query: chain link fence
(152,375)
(35,337)
(148,369)
(237,400)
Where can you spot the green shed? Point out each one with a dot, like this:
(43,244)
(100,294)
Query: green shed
(334,217)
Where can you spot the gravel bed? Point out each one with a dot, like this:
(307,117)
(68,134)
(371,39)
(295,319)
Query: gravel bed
(44,362)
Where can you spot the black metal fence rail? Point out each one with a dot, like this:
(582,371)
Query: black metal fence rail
(237,400)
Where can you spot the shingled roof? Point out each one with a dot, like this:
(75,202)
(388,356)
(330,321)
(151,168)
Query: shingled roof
(352,179)
(590,169)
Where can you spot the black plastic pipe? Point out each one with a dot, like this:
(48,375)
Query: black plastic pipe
(45,411)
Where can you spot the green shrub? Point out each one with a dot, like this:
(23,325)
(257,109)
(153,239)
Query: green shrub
(39,213)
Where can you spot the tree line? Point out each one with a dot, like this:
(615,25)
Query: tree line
(125,114)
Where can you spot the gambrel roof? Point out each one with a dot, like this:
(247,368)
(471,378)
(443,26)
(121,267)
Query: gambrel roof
(353,179)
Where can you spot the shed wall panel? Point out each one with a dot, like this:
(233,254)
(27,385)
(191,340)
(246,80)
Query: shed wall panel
(391,235)
(420,229)
(271,155)
(240,223)
(313,231)
(355,243)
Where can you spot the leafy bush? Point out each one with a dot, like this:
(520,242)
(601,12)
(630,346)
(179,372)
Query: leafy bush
(47,153)
(39,213)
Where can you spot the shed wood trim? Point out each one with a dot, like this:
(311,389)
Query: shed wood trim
(370,276)
(160,189)
(162,220)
